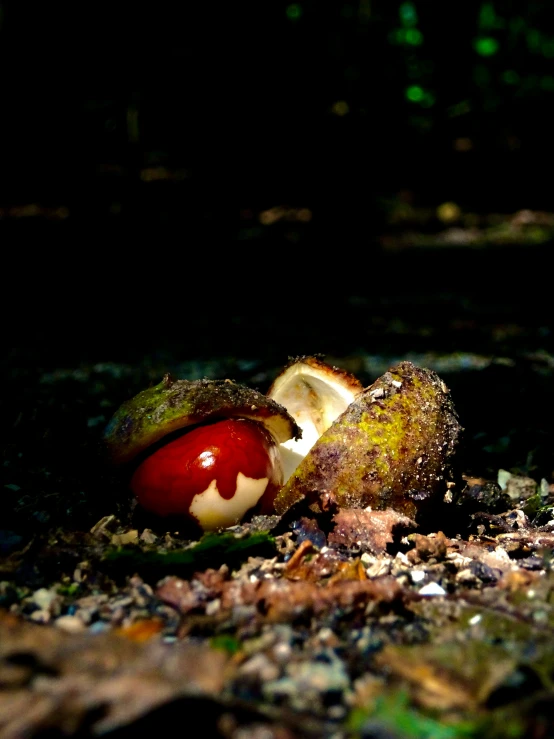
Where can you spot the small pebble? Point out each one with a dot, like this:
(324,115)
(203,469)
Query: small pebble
(40,617)
(129,537)
(432,588)
(70,624)
(213,607)
(261,667)
(44,598)
(148,537)
(401,560)
(282,652)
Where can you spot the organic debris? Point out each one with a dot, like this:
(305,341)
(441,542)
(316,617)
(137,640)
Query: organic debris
(325,622)
(367,530)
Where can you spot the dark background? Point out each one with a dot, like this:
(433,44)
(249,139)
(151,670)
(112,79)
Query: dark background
(210,188)
(142,147)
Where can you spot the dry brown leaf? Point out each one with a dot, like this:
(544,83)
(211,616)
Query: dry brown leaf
(283,600)
(66,679)
(427,547)
(367,530)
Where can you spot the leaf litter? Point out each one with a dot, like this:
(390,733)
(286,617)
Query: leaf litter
(317,623)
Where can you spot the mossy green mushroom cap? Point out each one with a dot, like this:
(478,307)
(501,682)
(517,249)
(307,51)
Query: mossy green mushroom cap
(172,405)
(391,448)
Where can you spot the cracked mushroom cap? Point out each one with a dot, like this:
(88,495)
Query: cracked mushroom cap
(315,394)
(391,448)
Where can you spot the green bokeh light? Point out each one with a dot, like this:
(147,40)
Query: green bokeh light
(410,36)
(414,37)
(415,93)
(486,46)
(398,36)
(461,108)
(294,11)
(533,39)
(408,14)
(487,16)
(510,77)
(547,83)
(428,100)
(517,25)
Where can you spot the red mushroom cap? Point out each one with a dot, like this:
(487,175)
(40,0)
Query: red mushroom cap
(213,474)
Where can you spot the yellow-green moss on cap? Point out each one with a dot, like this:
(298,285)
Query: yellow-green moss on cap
(391,448)
(176,404)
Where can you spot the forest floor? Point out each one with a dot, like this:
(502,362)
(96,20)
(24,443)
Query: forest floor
(341,625)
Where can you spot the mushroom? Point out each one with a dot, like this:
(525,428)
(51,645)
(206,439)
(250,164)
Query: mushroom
(315,394)
(391,448)
(206,449)
(212,450)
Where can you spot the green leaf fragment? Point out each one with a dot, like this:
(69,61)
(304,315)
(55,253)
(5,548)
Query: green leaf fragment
(212,550)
